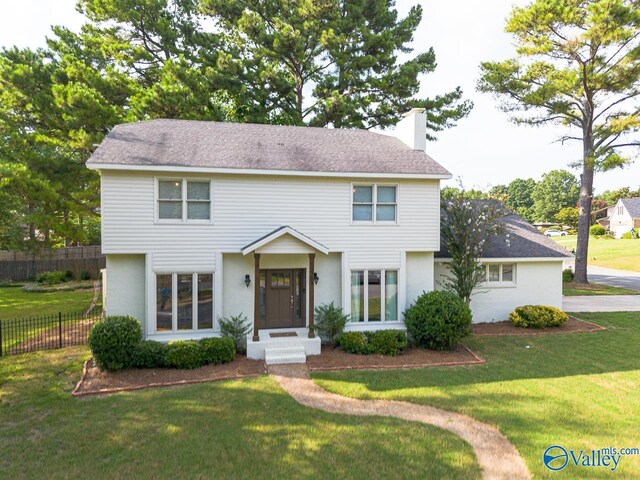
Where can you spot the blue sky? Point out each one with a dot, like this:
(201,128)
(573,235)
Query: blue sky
(484,150)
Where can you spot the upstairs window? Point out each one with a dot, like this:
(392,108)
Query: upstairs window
(374,203)
(184,200)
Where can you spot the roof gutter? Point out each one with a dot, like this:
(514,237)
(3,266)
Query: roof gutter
(256,171)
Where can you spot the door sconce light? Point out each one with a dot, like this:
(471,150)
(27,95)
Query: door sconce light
(316,278)
(247,280)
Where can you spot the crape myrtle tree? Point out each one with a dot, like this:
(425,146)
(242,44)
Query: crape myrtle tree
(468,224)
(577,66)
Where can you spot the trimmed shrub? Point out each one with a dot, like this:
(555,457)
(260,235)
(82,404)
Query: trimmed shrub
(537,316)
(567,275)
(597,230)
(236,328)
(383,342)
(187,354)
(387,342)
(217,350)
(113,340)
(353,342)
(438,320)
(54,277)
(330,321)
(148,354)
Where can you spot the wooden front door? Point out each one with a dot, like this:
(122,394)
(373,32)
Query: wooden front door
(282,296)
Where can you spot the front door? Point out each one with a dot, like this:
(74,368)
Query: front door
(282,296)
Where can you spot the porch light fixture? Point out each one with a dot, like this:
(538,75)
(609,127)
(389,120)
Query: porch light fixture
(316,278)
(247,280)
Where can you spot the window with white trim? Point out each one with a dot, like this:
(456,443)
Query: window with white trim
(500,274)
(184,302)
(374,203)
(184,200)
(374,295)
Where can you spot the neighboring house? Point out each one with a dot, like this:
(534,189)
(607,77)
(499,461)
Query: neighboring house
(203,219)
(523,268)
(623,216)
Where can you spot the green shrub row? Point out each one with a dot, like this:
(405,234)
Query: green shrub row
(537,316)
(630,235)
(116,343)
(54,277)
(383,342)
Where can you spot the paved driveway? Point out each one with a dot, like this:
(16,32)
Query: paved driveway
(616,278)
(602,303)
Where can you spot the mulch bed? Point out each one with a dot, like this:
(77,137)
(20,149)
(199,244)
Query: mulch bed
(335,359)
(506,328)
(96,382)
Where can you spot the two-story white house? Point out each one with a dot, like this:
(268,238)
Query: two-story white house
(624,216)
(206,219)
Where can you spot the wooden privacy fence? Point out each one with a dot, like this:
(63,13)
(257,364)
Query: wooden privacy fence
(20,266)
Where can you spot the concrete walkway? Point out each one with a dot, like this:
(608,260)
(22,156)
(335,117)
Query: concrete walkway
(601,303)
(615,278)
(496,456)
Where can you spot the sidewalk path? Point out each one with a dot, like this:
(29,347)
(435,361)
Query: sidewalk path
(601,303)
(496,456)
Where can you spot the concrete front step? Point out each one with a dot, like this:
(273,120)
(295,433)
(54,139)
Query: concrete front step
(288,354)
(256,350)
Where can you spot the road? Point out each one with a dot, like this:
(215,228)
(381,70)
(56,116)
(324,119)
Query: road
(602,303)
(616,278)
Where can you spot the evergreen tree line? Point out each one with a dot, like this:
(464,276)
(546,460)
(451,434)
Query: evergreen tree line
(340,63)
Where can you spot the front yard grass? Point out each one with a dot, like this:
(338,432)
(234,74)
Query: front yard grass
(577,390)
(578,289)
(608,252)
(234,429)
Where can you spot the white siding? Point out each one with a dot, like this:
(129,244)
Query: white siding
(537,283)
(620,223)
(419,275)
(248,207)
(125,286)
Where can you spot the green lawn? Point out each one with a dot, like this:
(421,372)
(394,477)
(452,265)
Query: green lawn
(576,390)
(608,252)
(574,289)
(16,303)
(235,429)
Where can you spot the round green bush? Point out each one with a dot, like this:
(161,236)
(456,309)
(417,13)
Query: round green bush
(537,316)
(113,340)
(185,354)
(218,350)
(353,342)
(438,320)
(386,342)
(596,230)
(567,275)
(148,354)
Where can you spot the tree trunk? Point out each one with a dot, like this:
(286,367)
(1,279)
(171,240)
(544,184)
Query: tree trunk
(584,217)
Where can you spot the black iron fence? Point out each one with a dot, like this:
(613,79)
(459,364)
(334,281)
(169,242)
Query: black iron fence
(22,335)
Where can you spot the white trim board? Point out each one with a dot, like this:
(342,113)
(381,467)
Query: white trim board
(511,259)
(252,171)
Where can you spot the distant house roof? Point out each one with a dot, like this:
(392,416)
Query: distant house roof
(525,241)
(243,146)
(632,205)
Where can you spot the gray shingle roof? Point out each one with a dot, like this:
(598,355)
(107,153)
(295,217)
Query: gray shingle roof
(524,241)
(188,143)
(632,205)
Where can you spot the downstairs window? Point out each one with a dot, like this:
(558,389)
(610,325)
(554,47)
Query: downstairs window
(374,295)
(184,302)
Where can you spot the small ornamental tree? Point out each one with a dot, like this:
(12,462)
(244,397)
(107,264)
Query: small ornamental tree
(467,226)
